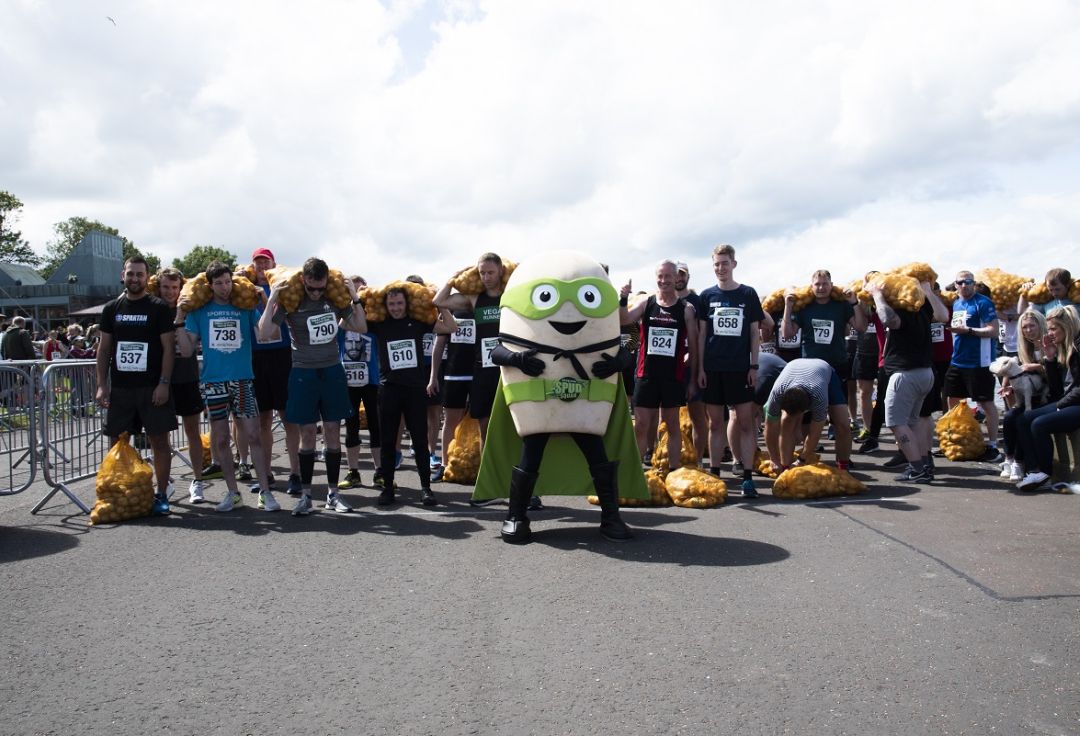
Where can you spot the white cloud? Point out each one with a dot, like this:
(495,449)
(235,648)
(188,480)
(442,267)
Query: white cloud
(413,135)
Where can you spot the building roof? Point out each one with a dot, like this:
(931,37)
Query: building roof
(12,272)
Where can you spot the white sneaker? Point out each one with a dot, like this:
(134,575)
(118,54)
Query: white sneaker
(1007,468)
(232,500)
(303,506)
(195,491)
(1032,481)
(1017,473)
(267,502)
(334,503)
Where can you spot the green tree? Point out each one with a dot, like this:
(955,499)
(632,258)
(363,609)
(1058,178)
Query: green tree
(201,256)
(70,233)
(13,249)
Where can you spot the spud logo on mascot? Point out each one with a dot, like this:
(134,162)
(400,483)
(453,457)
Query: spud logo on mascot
(561,359)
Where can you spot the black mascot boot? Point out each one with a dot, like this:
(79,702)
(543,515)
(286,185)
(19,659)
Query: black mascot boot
(605,479)
(515,530)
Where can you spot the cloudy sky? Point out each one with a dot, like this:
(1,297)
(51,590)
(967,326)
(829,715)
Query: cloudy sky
(409,137)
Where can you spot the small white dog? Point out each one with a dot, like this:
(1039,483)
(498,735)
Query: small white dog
(1026,386)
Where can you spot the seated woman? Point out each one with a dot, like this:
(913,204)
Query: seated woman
(1030,334)
(1036,427)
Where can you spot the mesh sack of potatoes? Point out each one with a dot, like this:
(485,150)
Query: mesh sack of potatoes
(918,271)
(125,485)
(774,302)
(463,457)
(1004,287)
(816,481)
(901,292)
(468,281)
(1074,292)
(419,297)
(195,293)
(695,489)
(959,435)
(293,293)
(245,294)
(948,297)
(687,453)
(658,495)
(763,465)
(248,272)
(1038,294)
(858,288)
(204,440)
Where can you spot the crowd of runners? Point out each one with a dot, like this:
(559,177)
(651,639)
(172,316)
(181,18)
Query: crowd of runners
(833,365)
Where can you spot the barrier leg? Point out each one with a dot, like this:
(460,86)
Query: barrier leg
(67,492)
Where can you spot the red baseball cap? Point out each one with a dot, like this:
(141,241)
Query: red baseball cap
(263,253)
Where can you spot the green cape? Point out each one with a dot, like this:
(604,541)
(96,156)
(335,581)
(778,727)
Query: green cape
(563,471)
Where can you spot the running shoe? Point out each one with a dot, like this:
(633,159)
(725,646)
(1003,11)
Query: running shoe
(863,435)
(295,488)
(267,502)
(870,444)
(895,461)
(232,500)
(1032,481)
(437,476)
(397,460)
(243,472)
(303,506)
(911,475)
(351,480)
(427,497)
(161,506)
(196,491)
(334,503)
(748,489)
(434,461)
(386,497)
(991,455)
(212,471)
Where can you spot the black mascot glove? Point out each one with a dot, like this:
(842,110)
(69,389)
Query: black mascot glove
(611,365)
(526,361)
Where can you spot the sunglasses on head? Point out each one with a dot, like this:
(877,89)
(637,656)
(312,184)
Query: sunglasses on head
(964,282)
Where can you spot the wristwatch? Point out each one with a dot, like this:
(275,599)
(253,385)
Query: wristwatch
(164,380)
(754,366)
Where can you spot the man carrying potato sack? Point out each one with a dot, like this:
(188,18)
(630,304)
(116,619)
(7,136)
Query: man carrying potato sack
(134,368)
(805,385)
(318,388)
(226,333)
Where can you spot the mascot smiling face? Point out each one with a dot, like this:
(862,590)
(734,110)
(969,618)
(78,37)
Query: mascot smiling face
(564,301)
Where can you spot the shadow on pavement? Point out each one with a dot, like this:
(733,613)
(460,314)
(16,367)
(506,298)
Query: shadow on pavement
(663,546)
(20,543)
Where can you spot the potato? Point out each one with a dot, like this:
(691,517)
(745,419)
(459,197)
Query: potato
(1004,287)
(195,293)
(1074,292)
(293,293)
(420,299)
(125,485)
(901,292)
(1038,294)
(463,456)
(245,294)
(658,495)
(918,271)
(695,488)
(815,481)
(959,434)
(468,282)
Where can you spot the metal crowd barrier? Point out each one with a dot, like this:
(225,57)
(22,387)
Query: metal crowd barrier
(71,444)
(17,425)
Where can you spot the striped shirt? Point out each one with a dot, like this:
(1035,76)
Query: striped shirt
(811,375)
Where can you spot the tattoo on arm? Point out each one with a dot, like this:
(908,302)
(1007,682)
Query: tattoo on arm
(887,314)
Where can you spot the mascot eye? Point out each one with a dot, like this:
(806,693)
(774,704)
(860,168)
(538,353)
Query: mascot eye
(589,297)
(545,296)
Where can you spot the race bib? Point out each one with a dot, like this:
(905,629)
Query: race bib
(55,355)
(959,319)
(727,321)
(823,331)
(871,329)
(486,346)
(402,354)
(789,343)
(1003,334)
(465,333)
(322,328)
(429,344)
(225,335)
(937,332)
(768,347)
(662,341)
(131,357)
(356,374)
(624,340)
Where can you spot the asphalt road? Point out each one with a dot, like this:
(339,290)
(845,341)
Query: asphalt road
(949,609)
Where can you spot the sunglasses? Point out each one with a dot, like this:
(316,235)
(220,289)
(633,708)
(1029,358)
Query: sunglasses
(315,289)
(965,282)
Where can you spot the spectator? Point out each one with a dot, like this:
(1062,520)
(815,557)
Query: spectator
(54,349)
(17,344)
(1031,356)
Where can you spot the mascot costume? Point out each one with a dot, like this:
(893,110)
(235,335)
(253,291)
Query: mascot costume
(560,412)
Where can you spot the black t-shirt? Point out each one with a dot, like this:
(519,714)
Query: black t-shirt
(136,328)
(908,346)
(486,313)
(662,351)
(461,347)
(401,351)
(769,369)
